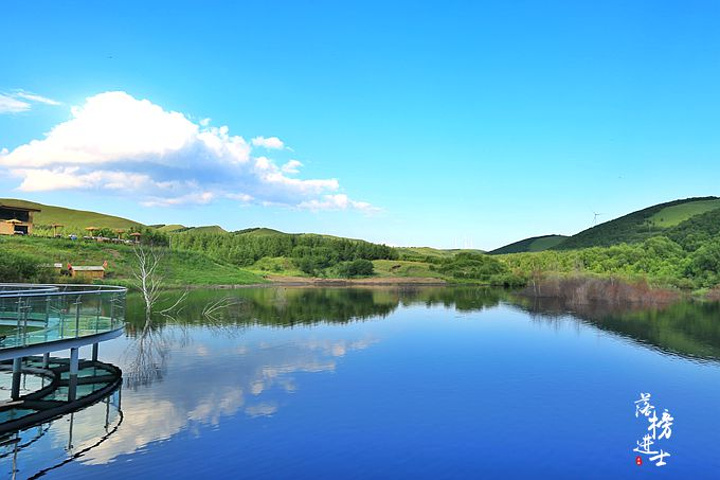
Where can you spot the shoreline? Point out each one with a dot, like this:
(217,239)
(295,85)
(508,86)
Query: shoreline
(281,281)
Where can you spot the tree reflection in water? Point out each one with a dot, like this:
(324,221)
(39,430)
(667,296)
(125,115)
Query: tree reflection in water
(146,356)
(685,328)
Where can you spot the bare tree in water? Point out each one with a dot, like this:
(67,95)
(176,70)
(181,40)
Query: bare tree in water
(148,353)
(149,275)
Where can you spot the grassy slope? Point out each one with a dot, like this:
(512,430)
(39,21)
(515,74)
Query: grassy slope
(533,244)
(636,226)
(183,229)
(69,217)
(675,215)
(208,229)
(182,268)
(172,228)
(423,252)
(260,232)
(404,269)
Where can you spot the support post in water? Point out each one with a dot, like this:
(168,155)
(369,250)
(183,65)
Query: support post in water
(17,373)
(72,384)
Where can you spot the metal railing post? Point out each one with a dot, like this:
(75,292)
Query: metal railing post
(19,313)
(99,308)
(47,311)
(112,310)
(26,309)
(78,304)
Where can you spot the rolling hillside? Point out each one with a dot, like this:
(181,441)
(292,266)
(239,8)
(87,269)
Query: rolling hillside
(71,218)
(424,253)
(260,231)
(641,225)
(183,229)
(532,244)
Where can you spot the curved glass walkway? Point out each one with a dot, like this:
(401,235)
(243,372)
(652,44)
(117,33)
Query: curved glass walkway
(39,319)
(41,315)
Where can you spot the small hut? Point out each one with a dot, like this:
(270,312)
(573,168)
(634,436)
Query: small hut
(89,272)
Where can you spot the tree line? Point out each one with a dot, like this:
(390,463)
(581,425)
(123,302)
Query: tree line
(313,254)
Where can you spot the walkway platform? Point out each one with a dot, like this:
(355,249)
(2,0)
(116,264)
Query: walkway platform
(44,318)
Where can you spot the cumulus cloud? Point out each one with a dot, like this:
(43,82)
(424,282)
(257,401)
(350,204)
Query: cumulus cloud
(120,145)
(21,101)
(272,143)
(292,166)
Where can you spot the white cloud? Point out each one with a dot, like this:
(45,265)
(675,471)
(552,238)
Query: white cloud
(271,143)
(9,104)
(117,144)
(338,201)
(21,101)
(36,98)
(291,167)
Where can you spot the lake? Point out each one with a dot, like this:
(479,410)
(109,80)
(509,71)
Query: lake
(392,383)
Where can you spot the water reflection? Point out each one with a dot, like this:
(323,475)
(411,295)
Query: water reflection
(250,361)
(688,328)
(35,451)
(685,328)
(216,376)
(288,307)
(203,364)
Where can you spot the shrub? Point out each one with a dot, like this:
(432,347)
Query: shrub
(20,267)
(355,268)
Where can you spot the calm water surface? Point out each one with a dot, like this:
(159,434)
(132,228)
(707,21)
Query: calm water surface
(392,383)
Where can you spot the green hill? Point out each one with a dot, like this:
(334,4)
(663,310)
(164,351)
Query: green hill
(179,267)
(425,253)
(676,214)
(176,228)
(172,228)
(532,244)
(71,219)
(638,226)
(207,229)
(697,231)
(259,232)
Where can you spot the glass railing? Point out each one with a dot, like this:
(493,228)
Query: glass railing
(35,314)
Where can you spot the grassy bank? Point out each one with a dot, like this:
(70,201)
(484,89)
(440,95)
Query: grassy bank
(178,267)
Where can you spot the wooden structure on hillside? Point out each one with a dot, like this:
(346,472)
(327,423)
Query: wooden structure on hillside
(89,272)
(15,220)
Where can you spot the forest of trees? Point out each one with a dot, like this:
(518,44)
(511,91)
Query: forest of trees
(657,259)
(312,254)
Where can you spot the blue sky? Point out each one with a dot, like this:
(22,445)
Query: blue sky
(414,123)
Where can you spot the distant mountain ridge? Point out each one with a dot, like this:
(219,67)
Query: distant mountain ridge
(684,221)
(532,244)
(669,218)
(642,224)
